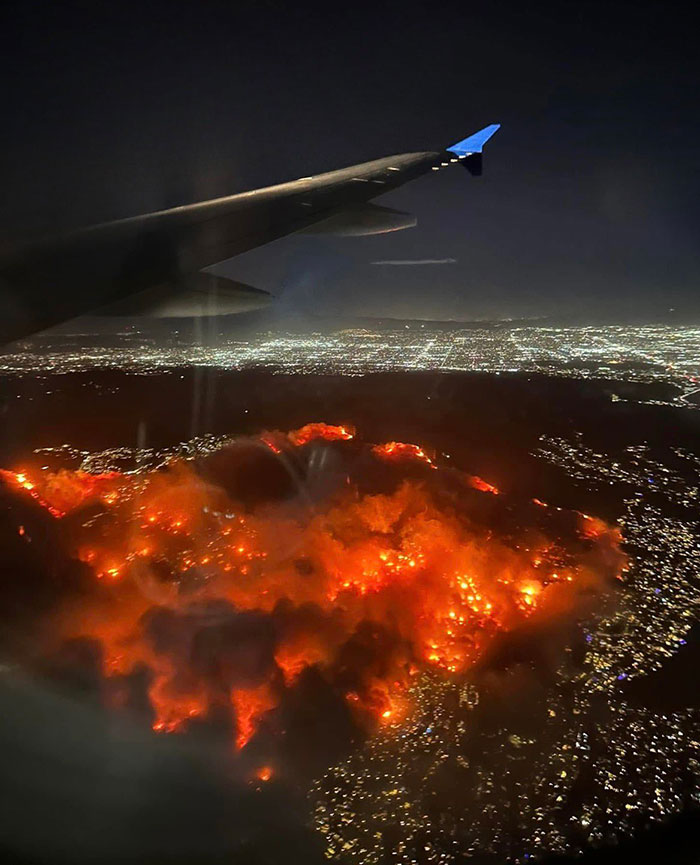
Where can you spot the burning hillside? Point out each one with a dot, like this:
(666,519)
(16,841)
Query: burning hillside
(221,598)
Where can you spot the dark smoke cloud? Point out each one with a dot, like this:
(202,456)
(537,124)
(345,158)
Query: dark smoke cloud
(308,678)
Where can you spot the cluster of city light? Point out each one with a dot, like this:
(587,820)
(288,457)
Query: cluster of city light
(662,354)
(500,792)
(661,593)
(379,805)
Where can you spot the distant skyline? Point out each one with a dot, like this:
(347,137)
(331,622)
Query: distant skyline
(590,191)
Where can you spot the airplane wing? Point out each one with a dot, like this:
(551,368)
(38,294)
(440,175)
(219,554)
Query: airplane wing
(152,264)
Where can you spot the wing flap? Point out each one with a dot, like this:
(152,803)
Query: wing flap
(203,295)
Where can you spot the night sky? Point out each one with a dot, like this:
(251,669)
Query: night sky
(589,201)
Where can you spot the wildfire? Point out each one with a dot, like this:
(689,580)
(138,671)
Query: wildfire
(483,486)
(250,705)
(264,773)
(320,431)
(228,606)
(402,450)
(62,491)
(592,527)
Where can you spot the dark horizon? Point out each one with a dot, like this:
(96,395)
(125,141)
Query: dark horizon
(589,194)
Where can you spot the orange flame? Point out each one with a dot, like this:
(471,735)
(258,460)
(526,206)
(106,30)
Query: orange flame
(320,430)
(402,450)
(250,705)
(482,485)
(368,589)
(63,491)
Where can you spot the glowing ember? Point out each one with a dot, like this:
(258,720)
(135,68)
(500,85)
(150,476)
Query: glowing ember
(249,707)
(227,606)
(269,441)
(592,527)
(402,450)
(264,773)
(320,431)
(62,491)
(482,485)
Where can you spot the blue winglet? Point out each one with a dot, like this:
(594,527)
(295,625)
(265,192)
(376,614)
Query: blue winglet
(474,143)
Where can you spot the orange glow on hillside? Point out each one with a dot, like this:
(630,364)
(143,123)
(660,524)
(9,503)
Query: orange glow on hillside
(228,606)
(482,485)
(320,431)
(402,450)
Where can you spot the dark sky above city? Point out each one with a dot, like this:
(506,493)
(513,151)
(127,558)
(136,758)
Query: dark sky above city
(589,199)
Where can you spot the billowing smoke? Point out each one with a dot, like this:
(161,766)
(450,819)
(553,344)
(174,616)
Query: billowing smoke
(288,575)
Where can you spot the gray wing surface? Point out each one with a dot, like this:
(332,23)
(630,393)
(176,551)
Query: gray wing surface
(156,259)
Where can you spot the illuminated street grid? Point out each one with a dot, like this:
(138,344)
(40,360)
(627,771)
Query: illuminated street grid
(651,354)
(132,460)
(415,796)
(660,599)
(591,768)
